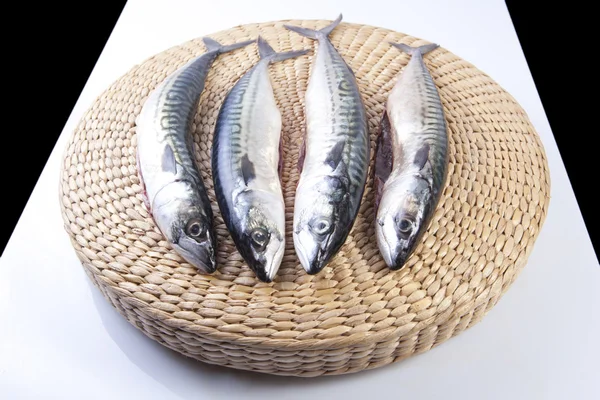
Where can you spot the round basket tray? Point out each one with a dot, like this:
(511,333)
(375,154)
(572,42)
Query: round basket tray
(356,314)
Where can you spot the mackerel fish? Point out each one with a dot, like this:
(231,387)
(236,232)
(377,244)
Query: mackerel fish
(174,192)
(411,159)
(246,159)
(335,156)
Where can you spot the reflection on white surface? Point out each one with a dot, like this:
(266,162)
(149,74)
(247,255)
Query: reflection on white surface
(59,338)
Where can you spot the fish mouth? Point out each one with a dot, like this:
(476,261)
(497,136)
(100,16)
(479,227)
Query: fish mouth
(319,262)
(203,258)
(317,265)
(395,256)
(313,255)
(385,247)
(398,254)
(394,251)
(302,254)
(261,273)
(273,267)
(400,260)
(266,265)
(386,251)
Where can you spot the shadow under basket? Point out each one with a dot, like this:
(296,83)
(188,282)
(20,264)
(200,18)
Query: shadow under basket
(356,314)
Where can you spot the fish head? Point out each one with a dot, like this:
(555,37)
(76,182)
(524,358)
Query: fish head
(322,221)
(186,225)
(262,239)
(402,217)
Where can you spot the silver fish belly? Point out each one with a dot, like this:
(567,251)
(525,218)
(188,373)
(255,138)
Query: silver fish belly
(246,167)
(174,191)
(336,159)
(411,160)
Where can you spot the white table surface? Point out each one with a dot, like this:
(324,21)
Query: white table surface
(59,338)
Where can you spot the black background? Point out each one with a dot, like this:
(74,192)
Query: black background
(58,46)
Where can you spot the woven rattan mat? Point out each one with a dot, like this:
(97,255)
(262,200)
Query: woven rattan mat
(356,314)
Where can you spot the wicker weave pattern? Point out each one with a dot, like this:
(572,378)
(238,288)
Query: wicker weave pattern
(356,314)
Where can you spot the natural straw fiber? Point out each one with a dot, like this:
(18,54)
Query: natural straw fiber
(356,314)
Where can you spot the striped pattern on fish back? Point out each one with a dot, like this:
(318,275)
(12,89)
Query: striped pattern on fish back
(228,142)
(177,102)
(347,120)
(422,115)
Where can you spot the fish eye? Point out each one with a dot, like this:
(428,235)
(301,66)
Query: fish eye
(405,225)
(194,228)
(321,226)
(260,238)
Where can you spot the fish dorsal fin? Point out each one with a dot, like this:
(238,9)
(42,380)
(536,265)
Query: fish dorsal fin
(248,172)
(422,156)
(335,155)
(168,162)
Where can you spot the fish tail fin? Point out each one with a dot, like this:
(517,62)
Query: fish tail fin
(327,30)
(266,52)
(213,45)
(413,50)
(315,34)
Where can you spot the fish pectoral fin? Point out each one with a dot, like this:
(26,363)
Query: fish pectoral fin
(335,155)
(248,172)
(168,162)
(422,156)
